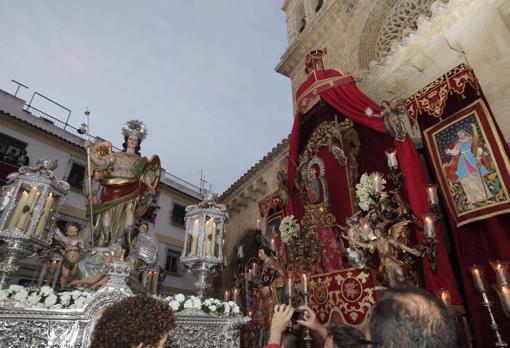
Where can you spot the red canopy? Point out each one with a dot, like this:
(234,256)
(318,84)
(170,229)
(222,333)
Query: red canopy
(340,92)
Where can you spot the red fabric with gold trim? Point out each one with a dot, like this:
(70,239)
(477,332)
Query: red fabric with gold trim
(349,293)
(267,276)
(432,99)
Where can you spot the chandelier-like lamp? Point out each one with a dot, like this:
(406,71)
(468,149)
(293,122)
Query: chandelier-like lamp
(28,205)
(203,244)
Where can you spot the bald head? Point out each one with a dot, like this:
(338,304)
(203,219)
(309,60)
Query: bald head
(412,317)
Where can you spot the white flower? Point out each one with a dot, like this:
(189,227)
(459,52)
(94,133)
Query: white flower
(196,303)
(369,111)
(208,302)
(188,304)
(174,305)
(168,298)
(213,308)
(21,295)
(15,288)
(80,302)
(226,309)
(46,290)
(235,309)
(34,299)
(4,294)
(65,298)
(180,297)
(289,228)
(50,300)
(76,294)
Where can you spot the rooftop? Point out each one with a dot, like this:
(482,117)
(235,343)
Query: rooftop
(12,106)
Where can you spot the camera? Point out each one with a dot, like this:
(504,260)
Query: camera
(298,314)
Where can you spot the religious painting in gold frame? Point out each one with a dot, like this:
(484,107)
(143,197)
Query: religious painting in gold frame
(470,163)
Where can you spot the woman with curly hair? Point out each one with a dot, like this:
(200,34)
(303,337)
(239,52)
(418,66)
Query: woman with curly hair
(134,322)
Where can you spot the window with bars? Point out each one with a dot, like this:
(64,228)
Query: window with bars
(75,172)
(173,263)
(178,213)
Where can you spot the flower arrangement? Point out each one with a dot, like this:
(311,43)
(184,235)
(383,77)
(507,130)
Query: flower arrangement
(181,302)
(365,191)
(44,297)
(289,229)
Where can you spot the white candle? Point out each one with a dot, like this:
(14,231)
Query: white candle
(391,154)
(432,194)
(44,215)
(236,294)
(428,226)
(19,208)
(377,181)
(213,240)
(500,268)
(194,237)
(289,286)
(273,247)
(227,295)
(504,295)
(258,224)
(305,284)
(445,297)
(477,279)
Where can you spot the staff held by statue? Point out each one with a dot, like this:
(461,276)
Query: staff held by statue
(85,129)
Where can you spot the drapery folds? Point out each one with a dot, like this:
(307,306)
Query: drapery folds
(341,93)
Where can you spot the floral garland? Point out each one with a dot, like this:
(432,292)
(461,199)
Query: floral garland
(365,191)
(289,229)
(181,302)
(44,297)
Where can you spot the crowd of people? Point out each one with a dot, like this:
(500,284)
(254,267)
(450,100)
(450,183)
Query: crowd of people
(404,317)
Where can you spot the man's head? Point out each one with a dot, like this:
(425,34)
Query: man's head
(137,321)
(264,253)
(412,317)
(340,336)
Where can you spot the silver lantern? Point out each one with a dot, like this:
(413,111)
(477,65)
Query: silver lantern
(203,244)
(28,204)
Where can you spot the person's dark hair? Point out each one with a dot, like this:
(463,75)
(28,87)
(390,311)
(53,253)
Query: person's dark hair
(412,317)
(131,321)
(345,336)
(74,224)
(267,250)
(137,148)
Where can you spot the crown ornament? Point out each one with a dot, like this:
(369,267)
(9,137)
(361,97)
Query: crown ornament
(136,128)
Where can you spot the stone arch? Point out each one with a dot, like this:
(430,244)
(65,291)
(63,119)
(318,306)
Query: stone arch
(386,24)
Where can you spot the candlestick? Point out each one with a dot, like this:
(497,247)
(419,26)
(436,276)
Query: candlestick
(377,181)
(391,154)
(501,270)
(432,194)
(477,274)
(428,226)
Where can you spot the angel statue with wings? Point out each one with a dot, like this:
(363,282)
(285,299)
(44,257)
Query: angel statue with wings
(123,185)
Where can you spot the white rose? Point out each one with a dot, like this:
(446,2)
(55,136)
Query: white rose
(76,294)
(15,288)
(174,305)
(4,294)
(231,303)
(236,310)
(65,298)
(212,308)
(226,309)
(80,302)
(197,303)
(46,290)
(188,304)
(168,298)
(208,302)
(21,295)
(50,300)
(180,297)
(34,299)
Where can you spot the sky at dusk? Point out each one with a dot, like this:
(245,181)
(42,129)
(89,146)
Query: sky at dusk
(199,73)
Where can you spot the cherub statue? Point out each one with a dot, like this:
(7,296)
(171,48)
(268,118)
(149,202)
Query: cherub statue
(114,253)
(73,245)
(394,270)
